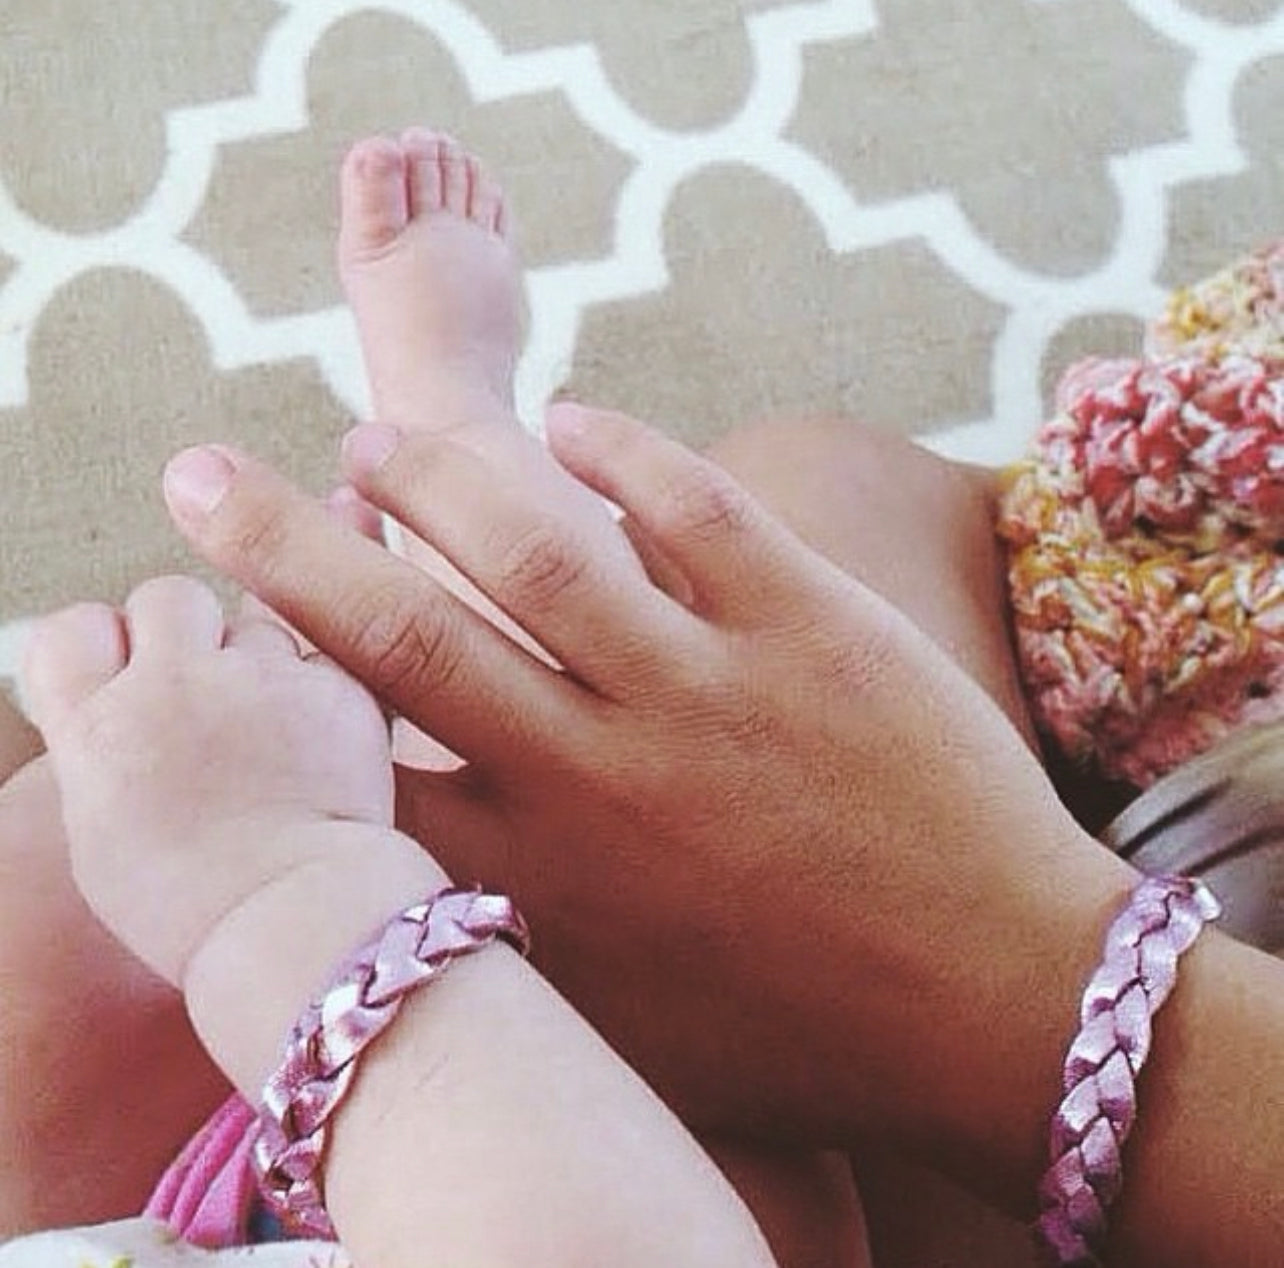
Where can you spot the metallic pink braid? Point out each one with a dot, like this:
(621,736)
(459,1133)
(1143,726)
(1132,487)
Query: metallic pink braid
(321,1054)
(1163,917)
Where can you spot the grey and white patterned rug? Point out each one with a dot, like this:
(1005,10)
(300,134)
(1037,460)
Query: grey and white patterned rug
(912,213)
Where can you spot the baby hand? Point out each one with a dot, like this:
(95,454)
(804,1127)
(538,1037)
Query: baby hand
(199,762)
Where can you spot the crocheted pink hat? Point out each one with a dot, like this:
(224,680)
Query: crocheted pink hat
(1146,536)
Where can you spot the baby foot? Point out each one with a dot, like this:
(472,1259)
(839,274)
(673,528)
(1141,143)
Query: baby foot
(203,767)
(429,270)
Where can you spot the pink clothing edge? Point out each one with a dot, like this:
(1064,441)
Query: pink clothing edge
(208,1192)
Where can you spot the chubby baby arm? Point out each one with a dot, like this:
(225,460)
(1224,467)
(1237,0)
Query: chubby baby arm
(229,804)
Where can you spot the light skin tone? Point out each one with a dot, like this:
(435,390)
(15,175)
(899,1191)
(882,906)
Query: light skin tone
(428,263)
(92,1041)
(805,1203)
(492,1127)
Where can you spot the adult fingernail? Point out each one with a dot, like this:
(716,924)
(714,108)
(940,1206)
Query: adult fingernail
(196,480)
(368,447)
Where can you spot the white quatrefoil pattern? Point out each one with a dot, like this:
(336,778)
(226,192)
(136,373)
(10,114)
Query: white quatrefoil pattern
(912,213)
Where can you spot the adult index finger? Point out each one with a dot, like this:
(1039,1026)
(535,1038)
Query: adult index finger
(421,650)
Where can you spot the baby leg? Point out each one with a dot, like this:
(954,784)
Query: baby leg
(430,269)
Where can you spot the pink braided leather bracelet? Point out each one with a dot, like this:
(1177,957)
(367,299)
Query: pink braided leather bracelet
(1163,917)
(320,1058)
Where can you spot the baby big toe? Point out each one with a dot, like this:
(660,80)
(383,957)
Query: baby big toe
(375,205)
(174,617)
(71,655)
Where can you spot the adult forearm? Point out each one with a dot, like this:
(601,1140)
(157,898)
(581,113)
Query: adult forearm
(1202,1165)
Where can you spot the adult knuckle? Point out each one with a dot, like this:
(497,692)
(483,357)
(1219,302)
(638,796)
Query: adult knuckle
(257,534)
(541,567)
(401,646)
(743,715)
(849,666)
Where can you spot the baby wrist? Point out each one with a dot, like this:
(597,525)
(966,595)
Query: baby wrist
(325,1047)
(253,973)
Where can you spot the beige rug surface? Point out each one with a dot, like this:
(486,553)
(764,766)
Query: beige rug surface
(912,213)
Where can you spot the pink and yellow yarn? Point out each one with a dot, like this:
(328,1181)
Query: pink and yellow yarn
(1146,536)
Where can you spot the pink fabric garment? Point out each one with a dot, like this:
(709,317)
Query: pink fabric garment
(208,1192)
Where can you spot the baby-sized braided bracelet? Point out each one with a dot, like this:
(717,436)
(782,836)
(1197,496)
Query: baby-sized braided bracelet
(1162,918)
(320,1057)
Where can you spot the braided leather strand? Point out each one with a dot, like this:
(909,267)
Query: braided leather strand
(321,1054)
(1138,971)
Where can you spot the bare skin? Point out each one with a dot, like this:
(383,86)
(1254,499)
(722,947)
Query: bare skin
(271,809)
(861,802)
(436,304)
(845,490)
(128,1056)
(93,1046)
(429,268)
(428,262)
(927,565)
(421,225)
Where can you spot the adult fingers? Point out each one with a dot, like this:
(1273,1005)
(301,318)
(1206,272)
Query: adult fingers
(347,506)
(577,590)
(350,508)
(416,646)
(740,564)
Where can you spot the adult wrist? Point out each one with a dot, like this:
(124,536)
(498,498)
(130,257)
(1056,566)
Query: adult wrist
(1141,953)
(1203,1163)
(1009,1006)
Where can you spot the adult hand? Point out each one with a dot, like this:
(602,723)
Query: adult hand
(785,855)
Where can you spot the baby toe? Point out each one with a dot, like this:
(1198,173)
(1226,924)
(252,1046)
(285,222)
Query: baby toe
(456,177)
(373,197)
(488,201)
(266,637)
(422,148)
(70,655)
(174,617)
